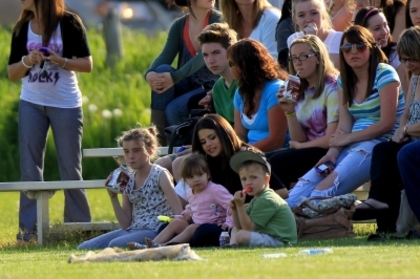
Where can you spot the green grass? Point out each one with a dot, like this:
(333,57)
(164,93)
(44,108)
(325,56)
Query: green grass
(352,258)
(126,89)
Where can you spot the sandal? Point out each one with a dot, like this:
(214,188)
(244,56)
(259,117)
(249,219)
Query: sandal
(135,246)
(150,243)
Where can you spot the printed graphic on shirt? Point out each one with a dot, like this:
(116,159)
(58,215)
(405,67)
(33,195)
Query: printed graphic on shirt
(47,77)
(47,72)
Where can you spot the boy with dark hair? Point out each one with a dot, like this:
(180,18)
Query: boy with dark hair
(214,40)
(267,220)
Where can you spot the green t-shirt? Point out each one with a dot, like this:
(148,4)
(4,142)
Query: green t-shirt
(271,215)
(223,98)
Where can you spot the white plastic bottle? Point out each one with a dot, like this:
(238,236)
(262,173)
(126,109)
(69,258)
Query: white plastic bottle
(315,251)
(224,239)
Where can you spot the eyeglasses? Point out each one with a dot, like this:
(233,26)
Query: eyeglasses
(232,64)
(359,46)
(302,57)
(411,60)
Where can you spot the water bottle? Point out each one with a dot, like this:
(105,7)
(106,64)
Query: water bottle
(315,251)
(224,239)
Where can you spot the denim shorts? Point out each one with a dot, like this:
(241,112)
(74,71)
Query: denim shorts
(262,239)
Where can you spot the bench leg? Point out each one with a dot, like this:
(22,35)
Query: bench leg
(43,222)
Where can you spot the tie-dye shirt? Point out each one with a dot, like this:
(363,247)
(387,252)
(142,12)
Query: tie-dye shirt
(315,114)
(369,112)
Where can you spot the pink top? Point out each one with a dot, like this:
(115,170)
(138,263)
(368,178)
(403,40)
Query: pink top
(209,206)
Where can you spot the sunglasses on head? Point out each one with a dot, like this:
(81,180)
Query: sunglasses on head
(348,47)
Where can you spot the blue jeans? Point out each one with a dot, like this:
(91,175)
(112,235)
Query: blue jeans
(117,238)
(174,100)
(67,127)
(409,165)
(352,167)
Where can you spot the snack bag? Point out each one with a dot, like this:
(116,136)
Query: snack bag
(119,180)
(292,86)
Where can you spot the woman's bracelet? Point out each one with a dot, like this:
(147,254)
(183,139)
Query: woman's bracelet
(337,148)
(24,64)
(65,63)
(290,114)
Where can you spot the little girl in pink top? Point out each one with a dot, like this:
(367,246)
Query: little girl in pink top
(207,203)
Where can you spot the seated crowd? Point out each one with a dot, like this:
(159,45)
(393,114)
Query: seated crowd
(259,150)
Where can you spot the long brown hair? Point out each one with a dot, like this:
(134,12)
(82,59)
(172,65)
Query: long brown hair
(357,34)
(362,18)
(230,142)
(256,67)
(49,13)
(232,16)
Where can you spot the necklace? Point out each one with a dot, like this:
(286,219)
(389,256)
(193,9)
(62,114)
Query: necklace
(246,29)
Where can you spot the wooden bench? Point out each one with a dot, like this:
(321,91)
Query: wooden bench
(42,191)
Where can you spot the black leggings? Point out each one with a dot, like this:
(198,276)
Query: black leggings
(206,235)
(290,164)
(386,183)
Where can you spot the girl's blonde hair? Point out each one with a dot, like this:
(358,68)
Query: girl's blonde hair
(194,164)
(145,134)
(230,12)
(320,4)
(325,67)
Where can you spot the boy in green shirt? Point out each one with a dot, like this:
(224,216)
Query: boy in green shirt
(214,40)
(267,220)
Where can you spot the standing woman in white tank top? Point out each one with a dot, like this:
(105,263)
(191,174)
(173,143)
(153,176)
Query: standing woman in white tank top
(50,97)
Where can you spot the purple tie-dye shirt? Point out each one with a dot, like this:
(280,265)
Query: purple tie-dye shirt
(315,114)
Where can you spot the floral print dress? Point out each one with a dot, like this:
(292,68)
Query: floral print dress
(148,201)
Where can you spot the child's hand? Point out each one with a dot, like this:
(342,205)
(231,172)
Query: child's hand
(110,193)
(108,179)
(232,205)
(239,198)
(186,217)
(224,226)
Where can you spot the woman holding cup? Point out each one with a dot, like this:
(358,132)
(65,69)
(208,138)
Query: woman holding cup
(312,117)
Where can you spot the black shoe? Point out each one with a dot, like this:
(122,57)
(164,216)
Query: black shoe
(413,235)
(376,238)
(370,209)
(26,237)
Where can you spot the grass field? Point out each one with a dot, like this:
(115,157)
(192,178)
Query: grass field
(126,90)
(352,258)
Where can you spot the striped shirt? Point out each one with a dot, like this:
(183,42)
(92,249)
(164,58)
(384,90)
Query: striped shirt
(369,112)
